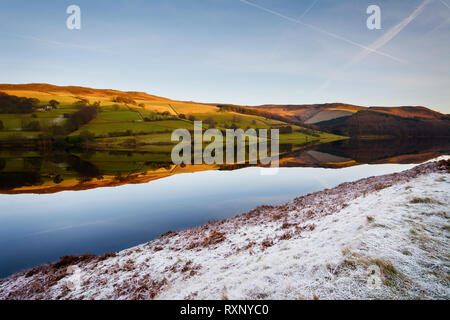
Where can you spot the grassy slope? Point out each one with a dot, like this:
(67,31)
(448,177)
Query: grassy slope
(118,118)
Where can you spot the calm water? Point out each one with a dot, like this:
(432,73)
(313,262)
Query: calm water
(36,229)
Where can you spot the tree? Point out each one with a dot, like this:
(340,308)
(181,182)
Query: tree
(87,136)
(210,122)
(53,103)
(32,126)
(34,102)
(81,102)
(81,117)
(286,129)
(58,179)
(13,104)
(124,100)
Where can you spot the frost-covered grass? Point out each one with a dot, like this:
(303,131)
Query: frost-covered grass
(324,245)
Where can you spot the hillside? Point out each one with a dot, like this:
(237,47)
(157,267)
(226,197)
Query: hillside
(311,113)
(138,115)
(75,91)
(409,112)
(363,122)
(33,115)
(368,123)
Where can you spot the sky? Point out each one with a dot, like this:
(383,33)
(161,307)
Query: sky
(248,52)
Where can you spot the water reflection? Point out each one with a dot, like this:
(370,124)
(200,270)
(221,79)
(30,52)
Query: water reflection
(24,171)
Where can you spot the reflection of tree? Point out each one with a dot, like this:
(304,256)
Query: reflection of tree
(33,164)
(82,179)
(58,179)
(153,165)
(11,180)
(286,147)
(84,169)
(118,176)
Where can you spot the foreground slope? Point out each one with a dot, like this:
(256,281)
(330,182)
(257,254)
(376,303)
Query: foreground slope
(324,245)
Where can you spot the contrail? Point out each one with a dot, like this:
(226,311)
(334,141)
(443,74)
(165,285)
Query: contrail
(308,9)
(445,3)
(58,43)
(277,49)
(380,42)
(333,35)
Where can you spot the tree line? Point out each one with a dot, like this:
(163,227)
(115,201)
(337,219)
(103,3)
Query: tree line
(14,104)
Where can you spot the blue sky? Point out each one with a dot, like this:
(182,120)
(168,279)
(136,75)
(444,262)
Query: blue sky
(236,51)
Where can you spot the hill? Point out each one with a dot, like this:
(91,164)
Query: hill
(107,119)
(370,123)
(129,111)
(363,122)
(76,91)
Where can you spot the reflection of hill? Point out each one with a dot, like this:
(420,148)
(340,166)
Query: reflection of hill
(77,184)
(382,151)
(351,152)
(31,172)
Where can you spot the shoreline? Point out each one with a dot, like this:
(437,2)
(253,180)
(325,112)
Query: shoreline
(317,246)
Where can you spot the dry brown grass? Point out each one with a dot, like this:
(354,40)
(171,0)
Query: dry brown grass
(214,237)
(379,187)
(424,200)
(286,236)
(266,243)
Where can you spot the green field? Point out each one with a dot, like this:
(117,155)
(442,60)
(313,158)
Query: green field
(109,116)
(226,119)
